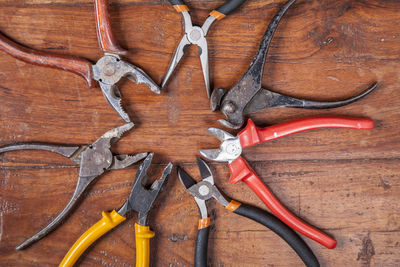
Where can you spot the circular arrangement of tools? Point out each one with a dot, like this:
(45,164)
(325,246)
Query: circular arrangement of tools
(246,97)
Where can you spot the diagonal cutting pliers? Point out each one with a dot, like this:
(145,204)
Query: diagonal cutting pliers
(231,149)
(205,190)
(107,71)
(140,200)
(93,160)
(197,35)
(247,96)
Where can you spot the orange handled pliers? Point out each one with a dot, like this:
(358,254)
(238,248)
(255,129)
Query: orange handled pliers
(231,149)
(140,200)
(197,35)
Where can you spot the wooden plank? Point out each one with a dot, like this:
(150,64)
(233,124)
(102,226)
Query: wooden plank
(343,181)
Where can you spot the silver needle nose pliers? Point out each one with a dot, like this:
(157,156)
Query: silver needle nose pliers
(197,35)
(107,71)
(205,190)
(94,160)
(247,96)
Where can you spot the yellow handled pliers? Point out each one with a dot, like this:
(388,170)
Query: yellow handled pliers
(140,200)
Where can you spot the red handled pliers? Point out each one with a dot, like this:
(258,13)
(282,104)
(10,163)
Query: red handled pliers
(231,149)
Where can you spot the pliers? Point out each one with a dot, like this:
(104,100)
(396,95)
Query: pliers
(197,35)
(140,200)
(247,96)
(231,149)
(205,190)
(107,71)
(94,160)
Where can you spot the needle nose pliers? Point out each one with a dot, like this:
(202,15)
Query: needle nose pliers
(247,96)
(94,160)
(205,190)
(107,71)
(140,200)
(231,149)
(197,35)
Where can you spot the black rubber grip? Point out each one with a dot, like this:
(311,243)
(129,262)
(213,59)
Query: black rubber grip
(281,229)
(229,6)
(200,253)
(176,2)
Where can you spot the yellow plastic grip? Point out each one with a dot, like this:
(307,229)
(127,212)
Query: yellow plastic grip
(142,236)
(108,222)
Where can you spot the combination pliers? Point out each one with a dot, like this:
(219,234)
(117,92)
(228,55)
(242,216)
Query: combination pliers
(140,200)
(197,35)
(205,190)
(93,160)
(231,148)
(107,71)
(247,96)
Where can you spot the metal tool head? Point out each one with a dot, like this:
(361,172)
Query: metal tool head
(193,35)
(142,197)
(235,100)
(229,150)
(109,70)
(202,190)
(97,157)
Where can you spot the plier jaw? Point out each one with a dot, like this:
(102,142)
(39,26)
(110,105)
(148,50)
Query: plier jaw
(142,197)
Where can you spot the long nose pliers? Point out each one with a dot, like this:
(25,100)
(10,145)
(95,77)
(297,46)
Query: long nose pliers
(197,35)
(247,96)
(205,190)
(231,149)
(140,200)
(94,160)
(107,71)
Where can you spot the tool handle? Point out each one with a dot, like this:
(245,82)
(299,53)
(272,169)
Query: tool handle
(241,171)
(108,222)
(226,8)
(104,31)
(142,236)
(179,5)
(200,252)
(72,64)
(270,221)
(252,135)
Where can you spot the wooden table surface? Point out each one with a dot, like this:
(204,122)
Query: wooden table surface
(346,182)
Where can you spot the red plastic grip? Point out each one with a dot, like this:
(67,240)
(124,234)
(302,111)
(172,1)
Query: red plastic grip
(251,135)
(241,171)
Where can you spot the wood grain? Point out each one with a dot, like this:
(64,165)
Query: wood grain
(346,182)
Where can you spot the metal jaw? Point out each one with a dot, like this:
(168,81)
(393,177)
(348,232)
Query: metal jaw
(141,199)
(94,160)
(203,190)
(229,150)
(247,96)
(109,70)
(193,35)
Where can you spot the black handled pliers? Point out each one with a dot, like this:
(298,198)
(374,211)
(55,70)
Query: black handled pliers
(93,160)
(197,35)
(247,96)
(205,190)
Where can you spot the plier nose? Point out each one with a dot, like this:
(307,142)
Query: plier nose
(197,35)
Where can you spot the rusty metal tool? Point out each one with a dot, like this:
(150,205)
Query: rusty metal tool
(205,190)
(197,35)
(107,71)
(93,160)
(140,200)
(247,96)
(231,148)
